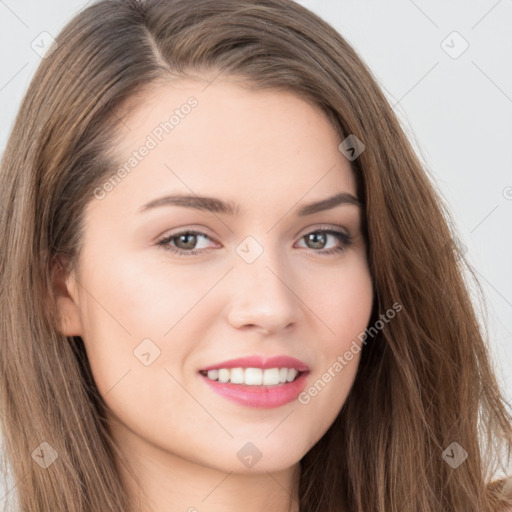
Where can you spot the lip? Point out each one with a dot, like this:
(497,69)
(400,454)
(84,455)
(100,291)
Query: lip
(261,362)
(262,397)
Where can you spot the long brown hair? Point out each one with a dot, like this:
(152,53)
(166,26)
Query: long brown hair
(425,380)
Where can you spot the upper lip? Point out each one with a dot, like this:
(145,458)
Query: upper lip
(261,362)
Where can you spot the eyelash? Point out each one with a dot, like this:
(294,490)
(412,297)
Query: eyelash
(345,239)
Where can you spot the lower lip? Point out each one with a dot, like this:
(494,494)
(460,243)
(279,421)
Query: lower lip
(262,397)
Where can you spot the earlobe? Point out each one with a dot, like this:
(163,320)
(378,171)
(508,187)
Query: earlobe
(66,299)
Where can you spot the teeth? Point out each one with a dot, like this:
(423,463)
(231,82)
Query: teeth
(224,375)
(237,376)
(253,376)
(213,374)
(292,373)
(271,377)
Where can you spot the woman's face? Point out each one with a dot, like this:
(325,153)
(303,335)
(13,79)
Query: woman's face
(283,287)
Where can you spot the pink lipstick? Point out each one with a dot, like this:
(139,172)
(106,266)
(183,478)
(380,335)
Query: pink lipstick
(257,381)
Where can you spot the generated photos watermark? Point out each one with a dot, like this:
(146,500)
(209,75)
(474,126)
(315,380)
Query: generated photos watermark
(156,136)
(343,360)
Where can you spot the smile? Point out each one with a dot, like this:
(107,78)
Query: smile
(252,376)
(257,381)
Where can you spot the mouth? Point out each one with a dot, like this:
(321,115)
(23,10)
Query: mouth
(257,381)
(253,376)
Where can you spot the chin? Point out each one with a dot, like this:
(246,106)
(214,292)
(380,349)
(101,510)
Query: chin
(259,455)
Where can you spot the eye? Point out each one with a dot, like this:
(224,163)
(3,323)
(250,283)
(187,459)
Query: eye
(319,239)
(185,243)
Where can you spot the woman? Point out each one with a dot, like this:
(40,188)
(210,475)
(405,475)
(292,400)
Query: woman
(228,282)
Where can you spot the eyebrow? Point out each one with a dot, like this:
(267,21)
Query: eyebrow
(215,205)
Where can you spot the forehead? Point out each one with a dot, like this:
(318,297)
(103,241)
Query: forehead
(221,139)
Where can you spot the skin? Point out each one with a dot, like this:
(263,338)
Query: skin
(271,152)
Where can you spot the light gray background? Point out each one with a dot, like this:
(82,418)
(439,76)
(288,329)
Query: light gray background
(456,111)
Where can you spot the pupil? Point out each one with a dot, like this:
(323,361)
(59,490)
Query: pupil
(189,245)
(314,237)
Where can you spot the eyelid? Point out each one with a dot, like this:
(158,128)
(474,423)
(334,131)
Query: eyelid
(194,228)
(198,233)
(322,227)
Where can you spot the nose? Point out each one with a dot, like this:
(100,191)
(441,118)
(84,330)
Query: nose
(262,294)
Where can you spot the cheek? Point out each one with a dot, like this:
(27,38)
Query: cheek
(343,302)
(144,299)
(133,314)
(343,305)
(132,363)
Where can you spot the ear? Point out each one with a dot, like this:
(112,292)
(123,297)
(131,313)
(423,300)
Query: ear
(65,290)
